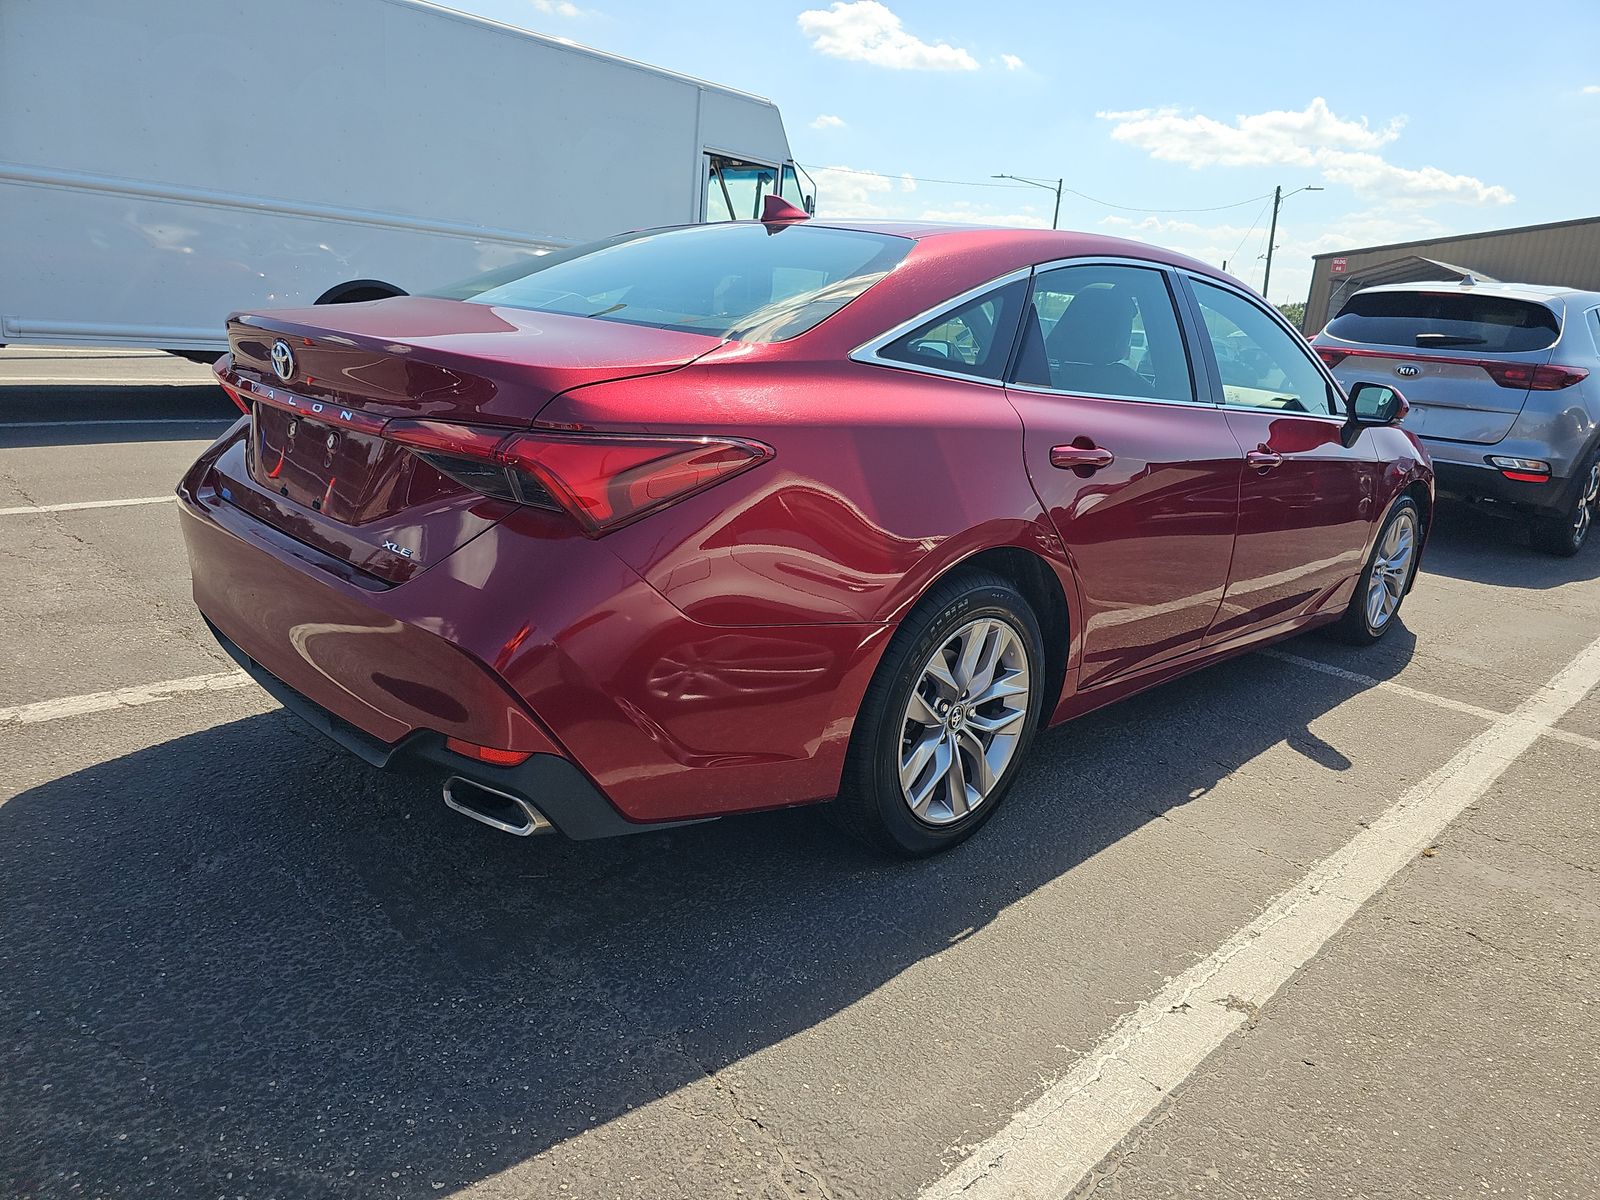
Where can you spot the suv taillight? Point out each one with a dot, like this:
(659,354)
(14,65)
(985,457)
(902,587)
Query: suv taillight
(1547,378)
(603,480)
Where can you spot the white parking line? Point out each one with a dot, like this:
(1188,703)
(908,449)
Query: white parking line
(1048,1148)
(1400,689)
(128,697)
(76,505)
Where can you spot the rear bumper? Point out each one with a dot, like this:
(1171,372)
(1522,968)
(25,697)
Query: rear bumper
(547,781)
(1467,481)
(532,637)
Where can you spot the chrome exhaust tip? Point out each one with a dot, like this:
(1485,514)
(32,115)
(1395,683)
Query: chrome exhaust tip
(496,809)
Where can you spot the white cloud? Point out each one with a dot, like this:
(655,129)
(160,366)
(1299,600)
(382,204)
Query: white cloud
(1269,137)
(1012,62)
(867,31)
(1370,175)
(557,8)
(828,121)
(1343,150)
(1592,90)
(907,183)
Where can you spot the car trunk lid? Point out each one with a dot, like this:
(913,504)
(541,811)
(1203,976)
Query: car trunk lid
(323,463)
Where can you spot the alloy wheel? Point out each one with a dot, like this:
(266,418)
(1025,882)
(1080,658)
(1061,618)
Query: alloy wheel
(1391,569)
(964,720)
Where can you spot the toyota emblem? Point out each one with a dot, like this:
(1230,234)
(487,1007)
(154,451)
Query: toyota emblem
(282,360)
(1405,372)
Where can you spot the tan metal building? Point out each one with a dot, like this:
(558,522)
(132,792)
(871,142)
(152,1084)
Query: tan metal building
(1564,253)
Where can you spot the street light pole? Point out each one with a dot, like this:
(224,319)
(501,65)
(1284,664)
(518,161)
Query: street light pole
(1055,219)
(1277,199)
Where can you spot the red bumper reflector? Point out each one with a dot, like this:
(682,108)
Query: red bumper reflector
(1526,477)
(488,754)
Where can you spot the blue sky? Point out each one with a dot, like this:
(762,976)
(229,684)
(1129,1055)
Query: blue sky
(1417,117)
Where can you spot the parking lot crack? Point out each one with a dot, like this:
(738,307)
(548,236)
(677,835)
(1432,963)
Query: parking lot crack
(793,1177)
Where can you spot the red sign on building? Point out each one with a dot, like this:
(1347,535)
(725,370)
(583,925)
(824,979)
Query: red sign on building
(1338,266)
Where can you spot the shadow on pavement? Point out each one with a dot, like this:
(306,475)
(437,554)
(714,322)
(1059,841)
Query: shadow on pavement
(241,951)
(154,406)
(1474,544)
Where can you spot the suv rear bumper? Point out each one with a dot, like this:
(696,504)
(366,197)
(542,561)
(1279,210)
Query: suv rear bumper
(1466,481)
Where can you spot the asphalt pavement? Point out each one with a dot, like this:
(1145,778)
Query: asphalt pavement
(235,961)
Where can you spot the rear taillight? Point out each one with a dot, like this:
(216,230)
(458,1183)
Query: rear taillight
(1547,378)
(1523,470)
(602,480)
(220,370)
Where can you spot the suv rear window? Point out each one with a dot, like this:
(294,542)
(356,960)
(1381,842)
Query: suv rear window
(1439,321)
(746,281)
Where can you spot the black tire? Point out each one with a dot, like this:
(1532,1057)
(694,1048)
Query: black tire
(359,291)
(1563,534)
(1356,625)
(872,805)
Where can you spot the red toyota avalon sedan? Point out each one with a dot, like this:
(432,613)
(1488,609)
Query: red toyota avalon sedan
(703,520)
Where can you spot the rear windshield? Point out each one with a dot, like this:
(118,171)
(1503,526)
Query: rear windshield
(1440,321)
(746,281)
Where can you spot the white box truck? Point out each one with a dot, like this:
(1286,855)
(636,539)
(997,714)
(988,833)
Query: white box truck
(163,163)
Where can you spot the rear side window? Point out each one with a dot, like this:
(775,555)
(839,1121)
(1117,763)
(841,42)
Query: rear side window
(971,339)
(1104,331)
(1439,321)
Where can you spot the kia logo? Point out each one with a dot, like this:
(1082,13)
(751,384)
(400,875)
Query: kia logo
(1403,372)
(282,360)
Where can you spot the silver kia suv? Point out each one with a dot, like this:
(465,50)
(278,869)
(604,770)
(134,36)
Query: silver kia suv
(1503,380)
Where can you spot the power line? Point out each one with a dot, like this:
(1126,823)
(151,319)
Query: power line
(1247,234)
(984,183)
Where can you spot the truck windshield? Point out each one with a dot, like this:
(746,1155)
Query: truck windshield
(746,281)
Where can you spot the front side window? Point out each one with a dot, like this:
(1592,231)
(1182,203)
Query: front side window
(972,339)
(1104,331)
(1262,365)
(749,282)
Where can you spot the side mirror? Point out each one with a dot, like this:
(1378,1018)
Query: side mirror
(1373,404)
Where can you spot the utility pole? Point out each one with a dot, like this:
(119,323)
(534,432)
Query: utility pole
(1055,219)
(1277,199)
(1272,236)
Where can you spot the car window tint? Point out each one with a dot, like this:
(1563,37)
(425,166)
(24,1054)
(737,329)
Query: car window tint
(1104,331)
(1261,363)
(972,339)
(1437,320)
(741,280)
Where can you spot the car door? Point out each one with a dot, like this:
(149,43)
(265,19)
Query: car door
(1305,499)
(1136,467)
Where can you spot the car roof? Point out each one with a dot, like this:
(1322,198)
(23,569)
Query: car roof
(1025,244)
(1486,287)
